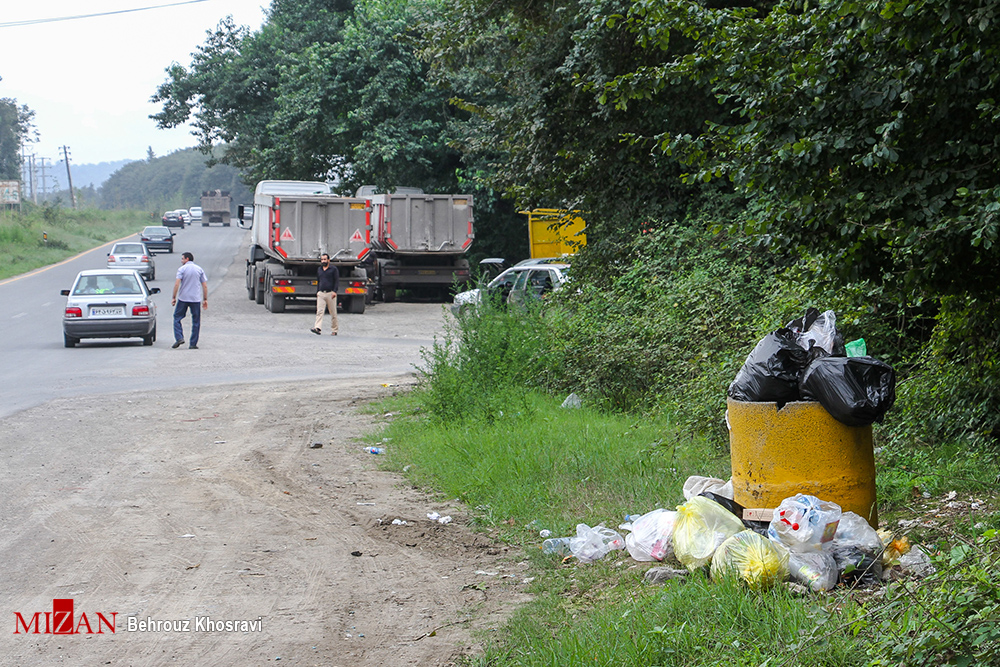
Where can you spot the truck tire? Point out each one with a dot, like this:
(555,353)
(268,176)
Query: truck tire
(251,284)
(356,305)
(389,293)
(277,304)
(261,289)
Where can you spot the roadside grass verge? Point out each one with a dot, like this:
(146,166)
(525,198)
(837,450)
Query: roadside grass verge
(23,247)
(548,466)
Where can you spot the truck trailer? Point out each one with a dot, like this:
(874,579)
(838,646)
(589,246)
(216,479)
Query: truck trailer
(292,224)
(418,240)
(216,206)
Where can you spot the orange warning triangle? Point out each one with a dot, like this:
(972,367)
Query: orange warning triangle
(357,237)
(287,235)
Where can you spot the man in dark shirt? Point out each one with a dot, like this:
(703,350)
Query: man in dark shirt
(327,286)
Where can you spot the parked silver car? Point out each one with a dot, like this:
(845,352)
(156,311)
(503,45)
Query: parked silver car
(132,255)
(503,284)
(109,303)
(536,282)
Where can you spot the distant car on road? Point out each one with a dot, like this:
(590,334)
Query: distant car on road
(157,238)
(132,255)
(173,219)
(109,303)
(195,214)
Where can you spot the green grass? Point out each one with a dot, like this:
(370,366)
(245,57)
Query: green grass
(551,467)
(23,246)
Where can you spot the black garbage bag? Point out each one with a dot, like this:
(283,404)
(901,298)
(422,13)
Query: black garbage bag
(856,567)
(856,391)
(771,371)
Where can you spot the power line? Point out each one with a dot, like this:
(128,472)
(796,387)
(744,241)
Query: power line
(14,24)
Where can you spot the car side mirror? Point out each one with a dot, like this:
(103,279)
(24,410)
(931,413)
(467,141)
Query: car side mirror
(64,292)
(154,290)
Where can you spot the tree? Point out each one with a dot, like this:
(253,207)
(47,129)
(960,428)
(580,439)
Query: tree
(15,130)
(867,131)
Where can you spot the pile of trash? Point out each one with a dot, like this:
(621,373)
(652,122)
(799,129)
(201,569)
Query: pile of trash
(808,541)
(807,360)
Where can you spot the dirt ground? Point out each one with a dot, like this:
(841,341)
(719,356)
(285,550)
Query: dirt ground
(216,503)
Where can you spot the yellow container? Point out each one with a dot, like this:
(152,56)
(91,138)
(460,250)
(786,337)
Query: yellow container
(800,449)
(555,232)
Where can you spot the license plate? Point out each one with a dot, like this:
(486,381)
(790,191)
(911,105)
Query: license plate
(426,272)
(129,260)
(107,311)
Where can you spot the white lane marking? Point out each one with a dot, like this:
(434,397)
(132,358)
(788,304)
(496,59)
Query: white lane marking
(18,315)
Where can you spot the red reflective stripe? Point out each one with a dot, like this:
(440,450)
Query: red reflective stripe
(276,226)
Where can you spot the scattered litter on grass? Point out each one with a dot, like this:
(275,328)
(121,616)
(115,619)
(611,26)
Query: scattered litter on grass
(572,401)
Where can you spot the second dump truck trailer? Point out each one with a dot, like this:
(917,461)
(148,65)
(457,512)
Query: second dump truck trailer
(293,223)
(419,241)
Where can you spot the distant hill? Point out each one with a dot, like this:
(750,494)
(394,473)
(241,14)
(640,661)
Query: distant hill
(85,175)
(170,182)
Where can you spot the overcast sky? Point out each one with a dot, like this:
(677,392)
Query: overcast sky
(89,80)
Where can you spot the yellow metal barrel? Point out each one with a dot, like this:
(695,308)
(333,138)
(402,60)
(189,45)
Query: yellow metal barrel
(800,449)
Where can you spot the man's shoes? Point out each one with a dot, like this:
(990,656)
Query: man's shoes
(177,344)
(316,331)
(192,347)
(333,334)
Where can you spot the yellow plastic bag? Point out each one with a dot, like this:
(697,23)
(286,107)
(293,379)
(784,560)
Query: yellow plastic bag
(753,558)
(702,525)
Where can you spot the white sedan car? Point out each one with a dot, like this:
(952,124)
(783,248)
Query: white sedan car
(109,303)
(552,269)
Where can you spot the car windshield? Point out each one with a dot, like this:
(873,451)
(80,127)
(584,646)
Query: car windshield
(107,284)
(127,249)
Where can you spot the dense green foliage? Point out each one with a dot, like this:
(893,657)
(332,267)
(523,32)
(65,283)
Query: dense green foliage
(15,131)
(170,182)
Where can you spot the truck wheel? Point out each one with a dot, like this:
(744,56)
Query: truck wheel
(389,294)
(277,304)
(260,290)
(251,284)
(204,224)
(356,305)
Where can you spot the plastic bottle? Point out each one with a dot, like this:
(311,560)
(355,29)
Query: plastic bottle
(374,450)
(557,545)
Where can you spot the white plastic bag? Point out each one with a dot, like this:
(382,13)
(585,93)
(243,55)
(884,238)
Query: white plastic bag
(695,486)
(804,523)
(822,333)
(854,531)
(651,536)
(702,525)
(815,569)
(591,544)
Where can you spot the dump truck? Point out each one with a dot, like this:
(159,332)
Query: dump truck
(418,241)
(216,206)
(292,224)
(554,232)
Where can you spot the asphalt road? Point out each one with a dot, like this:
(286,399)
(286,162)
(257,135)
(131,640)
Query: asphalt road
(240,341)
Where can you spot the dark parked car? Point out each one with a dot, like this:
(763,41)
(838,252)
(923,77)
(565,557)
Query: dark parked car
(173,219)
(157,238)
(109,303)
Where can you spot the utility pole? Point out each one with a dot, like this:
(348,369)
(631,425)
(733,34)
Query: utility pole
(43,159)
(72,194)
(31,177)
